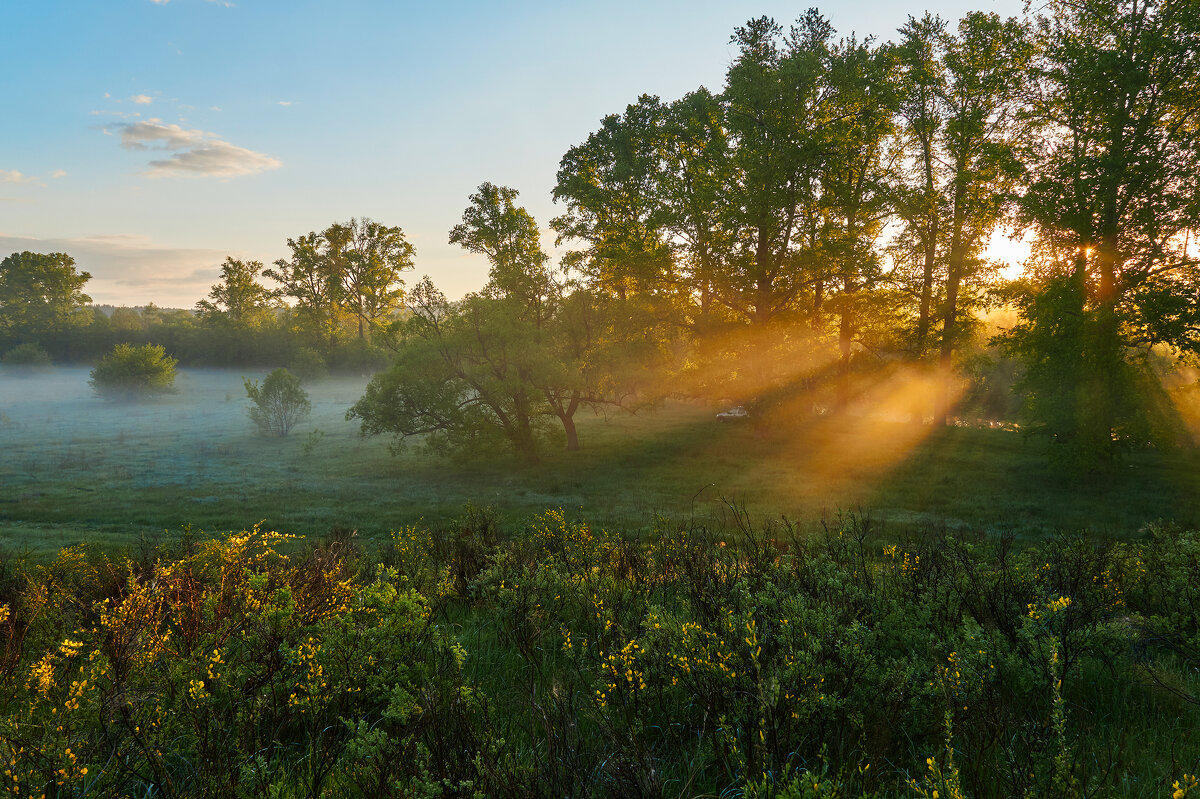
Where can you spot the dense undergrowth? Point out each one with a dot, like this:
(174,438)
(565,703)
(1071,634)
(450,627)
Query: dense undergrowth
(566,661)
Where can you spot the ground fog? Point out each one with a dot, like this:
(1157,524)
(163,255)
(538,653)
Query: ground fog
(77,468)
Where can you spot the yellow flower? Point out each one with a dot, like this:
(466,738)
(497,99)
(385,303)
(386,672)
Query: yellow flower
(70,648)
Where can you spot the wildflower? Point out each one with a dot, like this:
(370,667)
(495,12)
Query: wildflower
(42,673)
(70,648)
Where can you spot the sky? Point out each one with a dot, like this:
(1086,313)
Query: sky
(151,139)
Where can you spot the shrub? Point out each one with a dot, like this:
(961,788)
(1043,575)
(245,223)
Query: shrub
(308,365)
(28,354)
(130,371)
(232,670)
(361,357)
(279,404)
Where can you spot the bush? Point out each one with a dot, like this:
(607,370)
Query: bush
(130,371)
(28,354)
(308,365)
(361,357)
(279,404)
(232,669)
(570,661)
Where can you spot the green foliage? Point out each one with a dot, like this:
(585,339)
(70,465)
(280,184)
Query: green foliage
(963,138)
(461,379)
(750,660)
(230,669)
(279,404)
(129,372)
(239,300)
(348,274)
(360,357)
(719,663)
(1112,202)
(1089,396)
(39,294)
(308,365)
(490,371)
(28,354)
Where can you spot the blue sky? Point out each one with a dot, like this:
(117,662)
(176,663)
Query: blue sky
(151,138)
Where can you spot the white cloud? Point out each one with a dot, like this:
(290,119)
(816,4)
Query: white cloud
(58,173)
(193,152)
(217,158)
(18,177)
(285,102)
(142,99)
(152,132)
(160,2)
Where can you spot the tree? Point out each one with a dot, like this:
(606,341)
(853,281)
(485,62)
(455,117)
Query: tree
(774,116)
(130,372)
(1114,206)
(315,283)
(239,319)
(39,294)
(854,180)
(508,236)
(612,186)
(919,202)
(27,356)
(493,369)
(463,377)
(279,403)
(371,258)
(348,270)
(963,135)
(238,301)
(528,305)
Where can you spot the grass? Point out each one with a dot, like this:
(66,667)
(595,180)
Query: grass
(76,468)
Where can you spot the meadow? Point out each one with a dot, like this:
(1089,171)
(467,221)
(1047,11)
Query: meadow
(75,468)
(836,606)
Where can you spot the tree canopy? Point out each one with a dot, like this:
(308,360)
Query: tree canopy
(350,272)
(1113,203)
(39,294)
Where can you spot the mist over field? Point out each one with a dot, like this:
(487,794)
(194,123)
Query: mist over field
(78,468)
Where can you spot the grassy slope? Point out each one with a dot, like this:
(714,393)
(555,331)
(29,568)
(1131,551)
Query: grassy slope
(75,468)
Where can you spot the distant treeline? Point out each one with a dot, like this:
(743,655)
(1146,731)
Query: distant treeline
(273,341)
(241,323)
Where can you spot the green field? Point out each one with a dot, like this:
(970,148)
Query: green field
(76,468)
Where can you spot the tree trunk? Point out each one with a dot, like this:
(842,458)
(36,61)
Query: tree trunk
(520,431)
(1104,381)
(931,233)
(572,435)
(946,359)
(923,313)
(954,265)
(845,344)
